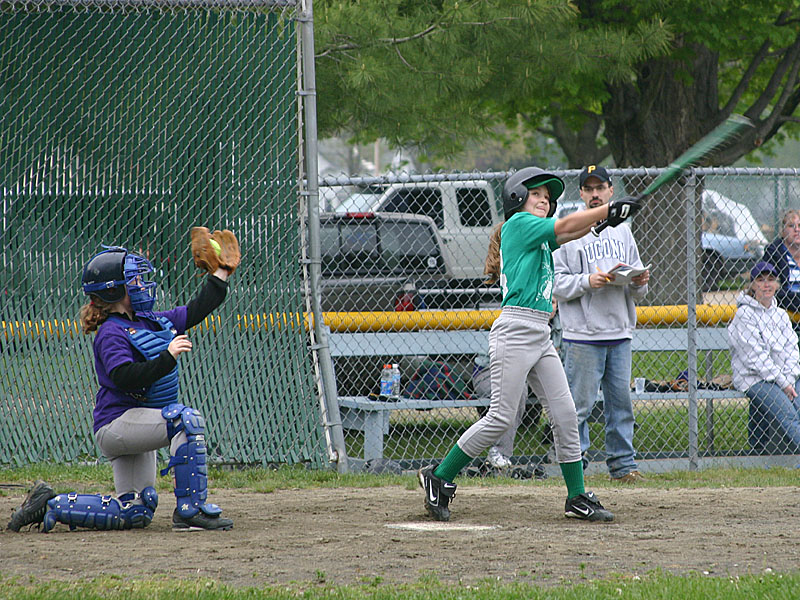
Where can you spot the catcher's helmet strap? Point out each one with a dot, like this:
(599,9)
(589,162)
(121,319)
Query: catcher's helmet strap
(101,285)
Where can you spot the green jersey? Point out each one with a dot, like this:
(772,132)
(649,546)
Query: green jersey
(526,261)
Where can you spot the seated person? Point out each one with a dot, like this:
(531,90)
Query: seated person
(766,363)
(784,254)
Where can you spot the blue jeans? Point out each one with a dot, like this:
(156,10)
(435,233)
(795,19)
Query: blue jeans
(588,367)
(774,420)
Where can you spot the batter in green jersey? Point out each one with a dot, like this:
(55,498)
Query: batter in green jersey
(526,261)
(521,352)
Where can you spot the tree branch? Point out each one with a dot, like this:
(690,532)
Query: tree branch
(788,61)
(745,79)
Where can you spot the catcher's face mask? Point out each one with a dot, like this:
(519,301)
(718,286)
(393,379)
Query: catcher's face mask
(142,292)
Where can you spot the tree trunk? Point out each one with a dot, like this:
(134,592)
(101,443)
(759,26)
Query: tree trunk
(660,229)
(650,122)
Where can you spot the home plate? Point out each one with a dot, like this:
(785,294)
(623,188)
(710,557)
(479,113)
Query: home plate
(440,527)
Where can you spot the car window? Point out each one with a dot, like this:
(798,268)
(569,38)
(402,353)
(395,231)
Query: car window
(372,247)
(715,221)
(357,203)
(418,201)
(473,207)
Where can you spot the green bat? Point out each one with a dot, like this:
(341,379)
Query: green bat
(732,128)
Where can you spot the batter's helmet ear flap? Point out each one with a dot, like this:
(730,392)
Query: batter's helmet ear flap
(515,189)
(553,205)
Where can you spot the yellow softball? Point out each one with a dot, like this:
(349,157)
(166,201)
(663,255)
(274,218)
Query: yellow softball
(217,249)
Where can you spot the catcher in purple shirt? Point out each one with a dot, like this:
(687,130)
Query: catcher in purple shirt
(136,354)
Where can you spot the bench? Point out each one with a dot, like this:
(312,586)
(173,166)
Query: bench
(363,413)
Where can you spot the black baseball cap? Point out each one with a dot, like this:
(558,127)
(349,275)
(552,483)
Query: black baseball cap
(594,171)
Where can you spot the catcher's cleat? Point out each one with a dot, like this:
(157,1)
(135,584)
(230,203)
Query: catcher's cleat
(438,493)
(587,508)
(200,522)
(33,507)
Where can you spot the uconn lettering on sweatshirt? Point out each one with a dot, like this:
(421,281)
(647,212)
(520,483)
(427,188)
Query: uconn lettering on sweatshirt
(604,248)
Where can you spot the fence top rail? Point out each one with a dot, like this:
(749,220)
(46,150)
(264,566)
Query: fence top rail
(339,180)
(38,5)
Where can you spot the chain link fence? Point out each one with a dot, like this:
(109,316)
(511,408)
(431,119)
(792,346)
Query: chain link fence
(400,288)
(127,123)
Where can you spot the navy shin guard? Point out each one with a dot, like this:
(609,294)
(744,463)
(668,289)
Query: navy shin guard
(93,511)
(189,461)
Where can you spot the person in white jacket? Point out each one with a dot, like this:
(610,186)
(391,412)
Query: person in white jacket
(766,363)
(598,317)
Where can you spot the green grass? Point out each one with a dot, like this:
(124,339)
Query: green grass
(655,586)
(666,365)
(98,479)
(660,427)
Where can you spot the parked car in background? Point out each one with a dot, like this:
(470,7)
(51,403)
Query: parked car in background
(465,212)
(371,261)
(743,224)
(725,255)
(384,262)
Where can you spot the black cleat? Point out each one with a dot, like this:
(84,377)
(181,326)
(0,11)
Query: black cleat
(33,507)
(438,493)
(587,507)
(200,522)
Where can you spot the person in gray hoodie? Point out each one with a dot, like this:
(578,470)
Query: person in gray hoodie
(766,363)
(598,317)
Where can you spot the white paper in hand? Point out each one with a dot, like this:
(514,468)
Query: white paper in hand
(623,274)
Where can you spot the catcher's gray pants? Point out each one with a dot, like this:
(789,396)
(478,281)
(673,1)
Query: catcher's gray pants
(520,350)
(130,442)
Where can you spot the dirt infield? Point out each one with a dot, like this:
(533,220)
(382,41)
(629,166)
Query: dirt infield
(350,535)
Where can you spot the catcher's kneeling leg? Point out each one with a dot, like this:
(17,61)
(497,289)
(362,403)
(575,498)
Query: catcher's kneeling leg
(93,511)
(189,461)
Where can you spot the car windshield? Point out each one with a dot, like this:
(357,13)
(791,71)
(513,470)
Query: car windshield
(359,202)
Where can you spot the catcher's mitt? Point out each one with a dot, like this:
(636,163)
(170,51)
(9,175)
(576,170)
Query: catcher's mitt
(212,251)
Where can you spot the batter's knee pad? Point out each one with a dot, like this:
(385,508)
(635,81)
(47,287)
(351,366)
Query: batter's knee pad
(189,461)
(93,511)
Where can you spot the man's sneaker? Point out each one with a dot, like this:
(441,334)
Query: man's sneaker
(632,477)
(200,522)
(33,507)
(587,507)
(438,493)
(496,459)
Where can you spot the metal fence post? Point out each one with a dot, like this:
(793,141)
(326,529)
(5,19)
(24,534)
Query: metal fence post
(690,193)
(329,402)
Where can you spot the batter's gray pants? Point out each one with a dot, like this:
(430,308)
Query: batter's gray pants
(520,351)
(130,442)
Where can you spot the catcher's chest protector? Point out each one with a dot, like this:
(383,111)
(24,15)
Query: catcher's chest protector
(150,344)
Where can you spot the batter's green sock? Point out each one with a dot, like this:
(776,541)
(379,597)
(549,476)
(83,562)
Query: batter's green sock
(452,464)
(573,477)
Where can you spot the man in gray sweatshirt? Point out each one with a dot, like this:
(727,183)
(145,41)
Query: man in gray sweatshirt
(598,316)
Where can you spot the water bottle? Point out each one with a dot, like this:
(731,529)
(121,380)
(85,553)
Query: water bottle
(386,382)
(395,381)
